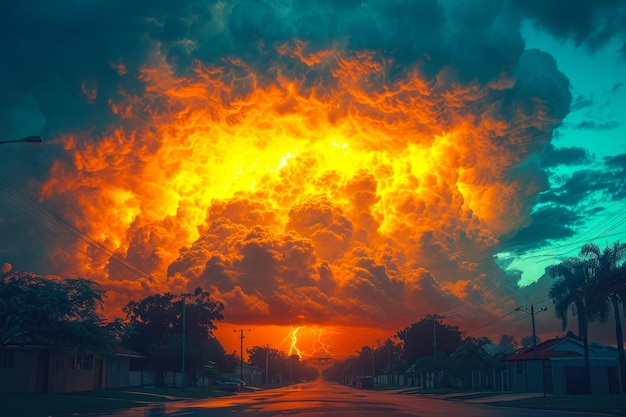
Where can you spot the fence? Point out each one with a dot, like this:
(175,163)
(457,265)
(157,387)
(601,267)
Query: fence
(141,378)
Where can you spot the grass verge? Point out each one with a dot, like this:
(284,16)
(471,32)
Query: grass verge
(608,404)
(614,404)
(44,405)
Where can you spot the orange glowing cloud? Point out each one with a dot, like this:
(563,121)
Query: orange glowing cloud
(328,189)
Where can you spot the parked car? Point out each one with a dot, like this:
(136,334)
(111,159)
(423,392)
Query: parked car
(235,385)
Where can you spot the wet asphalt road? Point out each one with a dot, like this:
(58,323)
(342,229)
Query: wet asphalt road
(322,399)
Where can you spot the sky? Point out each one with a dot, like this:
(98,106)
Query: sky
(331,171)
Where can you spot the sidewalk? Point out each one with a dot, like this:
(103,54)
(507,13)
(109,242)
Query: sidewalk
(492,397)
(480,397)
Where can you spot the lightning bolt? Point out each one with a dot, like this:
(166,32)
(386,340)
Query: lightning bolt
(293,336)
(319,347)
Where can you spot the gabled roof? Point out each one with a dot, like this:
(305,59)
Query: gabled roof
(118,350)
(545,350)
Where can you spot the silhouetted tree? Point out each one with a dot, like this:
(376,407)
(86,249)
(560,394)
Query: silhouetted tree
(338,372)
(388,358)
(469,357)
(507,343)
(529,340)
(301,372)
(419,338)
(56,312)
(156,323)
(363,363)
(276,362)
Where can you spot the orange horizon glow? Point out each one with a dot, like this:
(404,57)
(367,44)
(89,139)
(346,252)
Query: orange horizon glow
(293,198)
(335,342)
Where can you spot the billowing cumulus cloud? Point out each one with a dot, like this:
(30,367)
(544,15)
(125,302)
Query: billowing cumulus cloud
(333,162)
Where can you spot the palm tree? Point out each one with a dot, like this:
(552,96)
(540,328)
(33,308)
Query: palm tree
(610,275)
(573,289)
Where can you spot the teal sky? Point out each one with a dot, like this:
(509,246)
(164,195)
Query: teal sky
(596,125)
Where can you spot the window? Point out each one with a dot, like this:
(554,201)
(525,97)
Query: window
(7,358)
(66,361)
(520,368)
(84,361)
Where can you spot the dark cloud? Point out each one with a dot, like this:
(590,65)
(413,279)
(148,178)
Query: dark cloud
(577,188)
(549,223)
(486,39)
(566,207)
(617,161)
(584,186)
(589,23)
(567,156)
(593,125)
(539,77)
(582,102)
(616,176)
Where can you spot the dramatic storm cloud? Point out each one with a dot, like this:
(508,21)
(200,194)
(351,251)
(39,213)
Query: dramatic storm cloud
(321,163)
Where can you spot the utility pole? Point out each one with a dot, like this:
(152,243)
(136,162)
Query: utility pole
(434,336)
(184,319)
(267,362)
(373,362)
(388,356)
(241,336)
(532,316)
(373,373)
(436,317)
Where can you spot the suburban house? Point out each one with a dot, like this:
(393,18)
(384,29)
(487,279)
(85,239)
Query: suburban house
(37,369)
(557,366)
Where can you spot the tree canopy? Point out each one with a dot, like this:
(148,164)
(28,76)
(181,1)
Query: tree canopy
(51,311)
(279,366)
(156,329)
(419,338)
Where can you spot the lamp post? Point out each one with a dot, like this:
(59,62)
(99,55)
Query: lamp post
(27,139)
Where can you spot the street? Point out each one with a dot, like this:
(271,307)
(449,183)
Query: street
(322,399)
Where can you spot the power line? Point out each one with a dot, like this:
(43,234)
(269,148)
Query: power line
(65,230)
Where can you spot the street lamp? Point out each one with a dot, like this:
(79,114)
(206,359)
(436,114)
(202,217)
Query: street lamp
(27,139)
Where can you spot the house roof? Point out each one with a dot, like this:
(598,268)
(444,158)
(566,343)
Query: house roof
(118,350)
(545,350)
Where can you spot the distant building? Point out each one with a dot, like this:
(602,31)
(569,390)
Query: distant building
(559,368)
